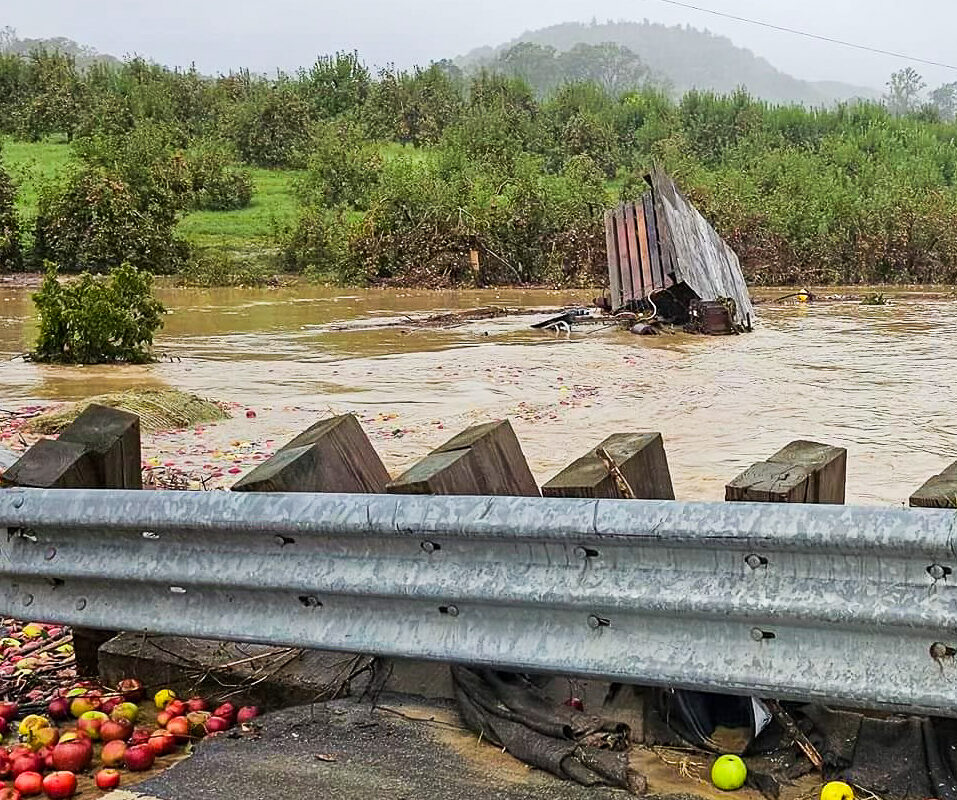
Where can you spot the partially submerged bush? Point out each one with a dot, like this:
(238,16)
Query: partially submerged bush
(216,183)
(95,320)
(221,269)
(95,220)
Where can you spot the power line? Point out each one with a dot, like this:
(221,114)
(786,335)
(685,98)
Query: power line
(808,35)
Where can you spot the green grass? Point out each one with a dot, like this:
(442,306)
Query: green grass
(244,232)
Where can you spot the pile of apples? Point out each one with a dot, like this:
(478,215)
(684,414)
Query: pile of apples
(47,758)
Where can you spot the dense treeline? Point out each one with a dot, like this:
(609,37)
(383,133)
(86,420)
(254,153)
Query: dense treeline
(407,175)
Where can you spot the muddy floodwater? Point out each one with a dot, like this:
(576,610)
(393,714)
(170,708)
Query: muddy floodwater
(878,380)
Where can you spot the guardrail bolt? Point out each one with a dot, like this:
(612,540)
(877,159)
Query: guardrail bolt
(430,547)
(755,561)
(18,501)
(939,650)
(282,541)
(451,611)
(585,552)
(27,599)
(50,554)
(80,604)
(759,635)
(594,621)
(310,601)
(938,571)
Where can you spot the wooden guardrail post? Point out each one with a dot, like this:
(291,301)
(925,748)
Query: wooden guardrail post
(484,459)
(334,455)
(639,459)
(939,492)
(802,472)
(99,450)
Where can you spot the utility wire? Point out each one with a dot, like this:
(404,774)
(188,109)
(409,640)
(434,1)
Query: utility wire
(809,35)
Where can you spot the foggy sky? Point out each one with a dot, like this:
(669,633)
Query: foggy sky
(266,34)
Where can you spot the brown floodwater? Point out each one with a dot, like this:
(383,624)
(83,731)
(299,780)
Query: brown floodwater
(878,380)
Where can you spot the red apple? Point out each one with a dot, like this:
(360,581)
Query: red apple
(9,793)
(107,779)
(197,704)
(59,785)
(162,718)
(226,711)
(141,735)
(9,710)
(3,726)
(91,722)
(116,729)
(113,753)
(217,725)
(139,758)
(247,713)
(162,743)
(59,708)
(26,763)
(46,756)
(176,708)
(74,755)
(4,763)
(179,727)
(109,703)
(131,689)
(29,783)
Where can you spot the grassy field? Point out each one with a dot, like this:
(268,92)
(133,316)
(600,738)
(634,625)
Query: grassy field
(246,231)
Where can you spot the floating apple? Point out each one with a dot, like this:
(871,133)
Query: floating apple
(29,783)
(139,758)
(59,785)
(247,713)
(131,689)
(74,755)
(91,722)
(113,753)
(128,711)
(107,779)
(114,729)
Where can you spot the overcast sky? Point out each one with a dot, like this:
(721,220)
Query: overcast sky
(265,34)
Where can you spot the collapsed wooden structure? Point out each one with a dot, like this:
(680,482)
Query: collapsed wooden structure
(664,257)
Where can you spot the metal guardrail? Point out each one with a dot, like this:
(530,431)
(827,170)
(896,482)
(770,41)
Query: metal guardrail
(849,605)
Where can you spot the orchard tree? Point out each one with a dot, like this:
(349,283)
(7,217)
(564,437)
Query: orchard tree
(904,91)
(944,99)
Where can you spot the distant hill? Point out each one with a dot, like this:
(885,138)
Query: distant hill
(84,55)
(687,58)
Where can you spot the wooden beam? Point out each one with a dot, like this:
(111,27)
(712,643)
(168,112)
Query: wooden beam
(640,460)
(482,460)
(112,438)
(802,472)
(939,492)
(334,455)
(52,464)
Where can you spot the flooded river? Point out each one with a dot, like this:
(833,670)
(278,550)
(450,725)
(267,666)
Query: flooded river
(878,380)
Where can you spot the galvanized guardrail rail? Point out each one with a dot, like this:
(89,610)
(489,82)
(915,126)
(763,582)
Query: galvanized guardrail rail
(849,605)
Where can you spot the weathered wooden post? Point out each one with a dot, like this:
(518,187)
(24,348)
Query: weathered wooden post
(99,450)
(802,472)
(939,492)
(638,459)
(484,460)
(334,455)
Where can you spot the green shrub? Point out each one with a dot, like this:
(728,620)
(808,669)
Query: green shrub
(216,182)
(270,127)
(11,257)
(221,269)
(94,220)
(343,167)
(94,320)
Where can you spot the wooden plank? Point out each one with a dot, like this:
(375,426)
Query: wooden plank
(802,472)
(334,455)
(614,276)
(628,289)
(52,464)
(938,492)
(634,257)
(482,460)
(112,438)
(648,278)
(654,251)
(640,459)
